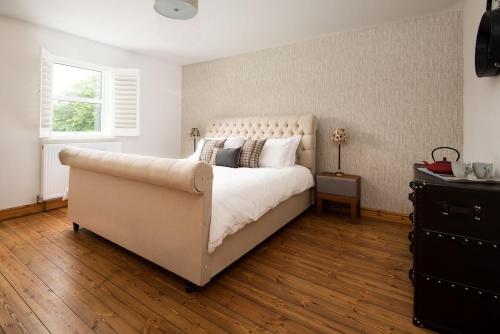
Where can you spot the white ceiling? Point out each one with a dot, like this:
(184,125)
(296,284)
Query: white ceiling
(222,27)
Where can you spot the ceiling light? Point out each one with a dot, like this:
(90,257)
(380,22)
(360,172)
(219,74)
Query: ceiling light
(177,9)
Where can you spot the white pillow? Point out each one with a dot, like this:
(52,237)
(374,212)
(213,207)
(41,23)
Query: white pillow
(294,147)
(234,142)
(279,153)
(196,155)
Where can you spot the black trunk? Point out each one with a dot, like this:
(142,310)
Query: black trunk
(456,253)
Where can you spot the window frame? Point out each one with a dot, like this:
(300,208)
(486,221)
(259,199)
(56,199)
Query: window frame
(104,101)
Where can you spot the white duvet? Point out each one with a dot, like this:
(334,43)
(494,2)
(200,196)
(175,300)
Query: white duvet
(242,195)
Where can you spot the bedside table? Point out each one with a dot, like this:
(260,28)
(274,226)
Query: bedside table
(343,189)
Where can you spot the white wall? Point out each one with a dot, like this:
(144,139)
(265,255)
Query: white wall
(481,97)
(19,102)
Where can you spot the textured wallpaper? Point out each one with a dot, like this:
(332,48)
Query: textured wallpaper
(396,88)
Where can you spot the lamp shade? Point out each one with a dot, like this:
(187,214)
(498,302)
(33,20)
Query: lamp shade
(339,136)
(177,9)
(194,132)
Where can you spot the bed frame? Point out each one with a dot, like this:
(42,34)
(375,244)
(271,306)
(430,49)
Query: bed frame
(160,209)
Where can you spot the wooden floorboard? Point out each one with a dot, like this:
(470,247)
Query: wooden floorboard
(316,275)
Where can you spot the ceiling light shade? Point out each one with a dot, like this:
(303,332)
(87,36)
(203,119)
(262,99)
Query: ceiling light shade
(177,9)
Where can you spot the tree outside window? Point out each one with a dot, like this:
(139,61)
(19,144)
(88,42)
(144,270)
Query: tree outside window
(77,100)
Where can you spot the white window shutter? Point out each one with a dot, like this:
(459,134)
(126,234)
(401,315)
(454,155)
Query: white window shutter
(46,104)
(126,101)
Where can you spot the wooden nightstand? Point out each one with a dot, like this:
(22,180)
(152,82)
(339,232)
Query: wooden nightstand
(344,189)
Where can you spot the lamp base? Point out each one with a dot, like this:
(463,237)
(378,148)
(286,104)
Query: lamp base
(339,173)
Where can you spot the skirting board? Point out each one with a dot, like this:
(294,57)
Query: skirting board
(32,208)
(59,203)
(387,216)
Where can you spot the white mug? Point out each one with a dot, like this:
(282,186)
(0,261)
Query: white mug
(461,169)
(483,170)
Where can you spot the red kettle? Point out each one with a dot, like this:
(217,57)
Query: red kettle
(443,166)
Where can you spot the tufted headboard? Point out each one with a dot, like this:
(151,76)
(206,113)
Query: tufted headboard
(272,127)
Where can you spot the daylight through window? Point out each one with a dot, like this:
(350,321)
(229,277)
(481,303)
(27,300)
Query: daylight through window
(77,99)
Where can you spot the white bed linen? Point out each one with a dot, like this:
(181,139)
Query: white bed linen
(243,195)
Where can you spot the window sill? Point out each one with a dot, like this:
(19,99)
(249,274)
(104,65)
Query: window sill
(78,139)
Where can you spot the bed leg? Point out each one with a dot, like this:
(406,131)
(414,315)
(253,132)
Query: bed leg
(76,227)
(189,287)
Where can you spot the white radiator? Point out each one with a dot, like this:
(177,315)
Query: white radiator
(54,175)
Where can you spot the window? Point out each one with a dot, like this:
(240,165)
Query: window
(79,99)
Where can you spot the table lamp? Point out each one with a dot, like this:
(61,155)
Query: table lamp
(339,137)
(194,134)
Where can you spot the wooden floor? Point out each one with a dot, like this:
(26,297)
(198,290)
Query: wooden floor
(316,275)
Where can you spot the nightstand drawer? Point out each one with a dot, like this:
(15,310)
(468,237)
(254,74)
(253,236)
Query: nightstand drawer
(337,186)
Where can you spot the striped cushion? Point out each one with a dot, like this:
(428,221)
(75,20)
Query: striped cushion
(208,147)
(250,153)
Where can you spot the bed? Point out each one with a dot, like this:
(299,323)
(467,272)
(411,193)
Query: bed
(162,209)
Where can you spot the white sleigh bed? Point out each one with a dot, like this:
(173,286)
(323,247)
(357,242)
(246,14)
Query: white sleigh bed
(161,209)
